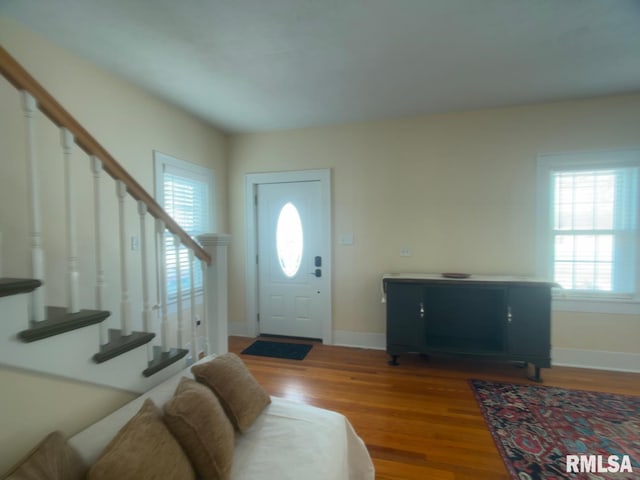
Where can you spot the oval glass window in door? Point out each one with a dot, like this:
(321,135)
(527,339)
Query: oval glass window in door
(289,239)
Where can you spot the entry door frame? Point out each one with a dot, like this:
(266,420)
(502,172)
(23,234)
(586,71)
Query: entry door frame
(252,180)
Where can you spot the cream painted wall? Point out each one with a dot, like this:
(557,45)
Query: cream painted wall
(130,124)
(458,189)
(34,405)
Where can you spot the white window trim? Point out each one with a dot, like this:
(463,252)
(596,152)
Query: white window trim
(160,160)
(577,302)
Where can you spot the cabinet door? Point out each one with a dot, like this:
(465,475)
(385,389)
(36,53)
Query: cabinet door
(465,318)
(529,319)
(405,315)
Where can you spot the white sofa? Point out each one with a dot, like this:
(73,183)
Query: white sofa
(288,440)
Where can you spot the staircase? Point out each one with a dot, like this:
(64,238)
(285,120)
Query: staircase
(96,336)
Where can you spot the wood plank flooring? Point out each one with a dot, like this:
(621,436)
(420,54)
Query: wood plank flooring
(420,419)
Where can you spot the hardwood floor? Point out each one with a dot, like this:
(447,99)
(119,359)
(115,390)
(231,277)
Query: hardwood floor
(420,419)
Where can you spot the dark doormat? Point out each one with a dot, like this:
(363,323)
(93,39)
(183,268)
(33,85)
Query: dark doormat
(292,351)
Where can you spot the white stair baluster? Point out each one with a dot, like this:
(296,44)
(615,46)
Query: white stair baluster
(37,255)
(96,167)
(73,300)
(205,314)
(147,321)
(176,246)
(157,307)
(162,267)
(194,316)
(125,303)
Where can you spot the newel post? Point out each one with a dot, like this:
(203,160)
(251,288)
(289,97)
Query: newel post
(215,244)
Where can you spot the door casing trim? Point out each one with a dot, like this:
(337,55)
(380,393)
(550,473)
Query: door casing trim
(252,180)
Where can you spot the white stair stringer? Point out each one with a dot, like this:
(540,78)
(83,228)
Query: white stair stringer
(70,354)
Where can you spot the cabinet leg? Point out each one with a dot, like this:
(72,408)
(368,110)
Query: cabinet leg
(394,360)
(536,376)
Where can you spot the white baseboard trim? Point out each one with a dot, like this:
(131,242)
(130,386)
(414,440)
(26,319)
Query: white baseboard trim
(344,338)
(565,357)
(561,357)
(596,359)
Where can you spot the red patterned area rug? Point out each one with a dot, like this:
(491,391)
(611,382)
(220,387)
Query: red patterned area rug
(548,433)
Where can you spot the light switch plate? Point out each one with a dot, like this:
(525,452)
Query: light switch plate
(346,239)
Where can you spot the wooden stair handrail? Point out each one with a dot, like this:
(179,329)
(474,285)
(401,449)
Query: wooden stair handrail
(22,80)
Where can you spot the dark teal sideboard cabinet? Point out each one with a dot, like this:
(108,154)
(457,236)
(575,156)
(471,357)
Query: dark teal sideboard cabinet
(498,318)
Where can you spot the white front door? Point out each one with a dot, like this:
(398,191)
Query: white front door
(293,290)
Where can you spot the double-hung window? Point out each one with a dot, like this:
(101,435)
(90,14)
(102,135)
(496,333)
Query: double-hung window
(185,191)
(588,237)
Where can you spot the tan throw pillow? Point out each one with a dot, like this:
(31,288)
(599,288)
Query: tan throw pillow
(143,450)
(52,459)
(240,394)
(197,420)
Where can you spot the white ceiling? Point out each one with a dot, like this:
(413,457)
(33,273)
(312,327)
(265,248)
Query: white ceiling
(255,65)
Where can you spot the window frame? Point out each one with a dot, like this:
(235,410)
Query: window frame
(161,160)
(568,300)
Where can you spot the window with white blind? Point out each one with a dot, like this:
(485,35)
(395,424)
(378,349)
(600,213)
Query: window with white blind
(588,224)
(185,191)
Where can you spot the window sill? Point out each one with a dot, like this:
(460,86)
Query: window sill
(592,305)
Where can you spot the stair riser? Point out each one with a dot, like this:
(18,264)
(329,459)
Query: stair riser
(70,354)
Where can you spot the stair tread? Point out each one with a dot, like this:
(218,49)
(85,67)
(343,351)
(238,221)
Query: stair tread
(119,344)
(14,286)
(60,321)
(162,359)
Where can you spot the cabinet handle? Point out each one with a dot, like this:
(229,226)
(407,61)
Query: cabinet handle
(509,315)
(421,310)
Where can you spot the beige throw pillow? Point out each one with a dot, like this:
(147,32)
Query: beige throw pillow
(52,459)
(197,420)
(240,394)
(143,450)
